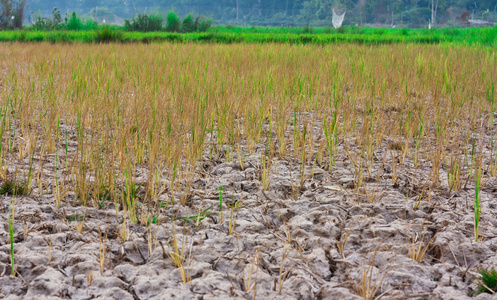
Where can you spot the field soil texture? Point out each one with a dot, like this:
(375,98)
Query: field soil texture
(246,171)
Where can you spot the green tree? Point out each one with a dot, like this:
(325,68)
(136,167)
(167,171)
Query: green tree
(173,23)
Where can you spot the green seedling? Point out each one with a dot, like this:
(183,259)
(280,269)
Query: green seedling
(234,206)
(153,220)
(11,236)
(221,202)
(488,281)
(102,195)
(166,205)
(197,218)
(130,190)
(76,217)
(130,195)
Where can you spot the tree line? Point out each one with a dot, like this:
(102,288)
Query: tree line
(409,13)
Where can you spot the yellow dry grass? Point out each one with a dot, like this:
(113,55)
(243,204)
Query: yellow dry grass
(84,120)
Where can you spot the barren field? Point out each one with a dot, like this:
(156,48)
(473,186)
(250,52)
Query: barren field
(172,171)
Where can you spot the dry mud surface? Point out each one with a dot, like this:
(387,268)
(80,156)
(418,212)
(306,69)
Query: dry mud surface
(285,244)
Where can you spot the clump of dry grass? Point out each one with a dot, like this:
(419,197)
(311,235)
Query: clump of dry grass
(369,284)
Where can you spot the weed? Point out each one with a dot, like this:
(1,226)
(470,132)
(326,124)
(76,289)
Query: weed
(106,35)
(12,187)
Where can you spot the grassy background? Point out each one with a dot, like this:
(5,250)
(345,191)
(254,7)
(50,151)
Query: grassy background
(228,34)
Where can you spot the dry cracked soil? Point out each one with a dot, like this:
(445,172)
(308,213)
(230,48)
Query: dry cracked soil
(326,234)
